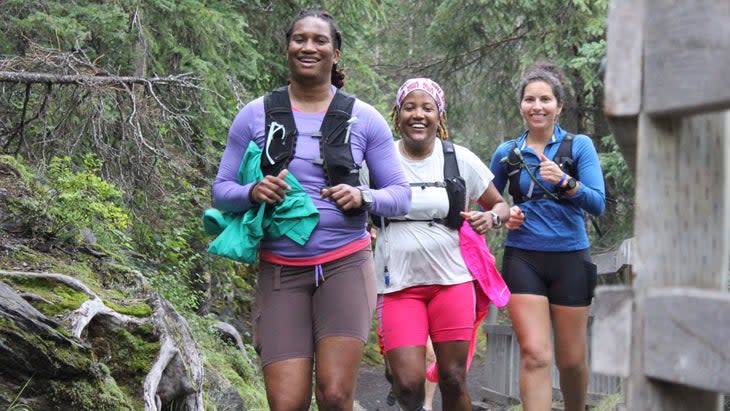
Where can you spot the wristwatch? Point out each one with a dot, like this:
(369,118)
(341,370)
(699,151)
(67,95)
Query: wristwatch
(570,184)
(367,197)
(496,221)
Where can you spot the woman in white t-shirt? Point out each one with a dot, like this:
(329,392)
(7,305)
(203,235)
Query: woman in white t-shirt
(427,289)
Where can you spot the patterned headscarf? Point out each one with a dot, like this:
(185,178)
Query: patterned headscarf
(425,84)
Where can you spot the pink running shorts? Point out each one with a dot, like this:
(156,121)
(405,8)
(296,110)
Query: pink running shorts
(447,312)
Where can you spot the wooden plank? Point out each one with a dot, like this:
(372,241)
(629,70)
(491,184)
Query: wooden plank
(687,52)
(498,329)
(498,397)
(497,362)
(613,261)
(624,37)
(611,332)
(682,220)
(687,337)
(513,368)
(682,224)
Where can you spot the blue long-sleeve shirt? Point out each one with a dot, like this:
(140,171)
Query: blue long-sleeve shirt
(551,225)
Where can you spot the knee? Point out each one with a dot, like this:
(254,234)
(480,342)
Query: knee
(452,380)
(410,392)
(288,403)
(536,357)
(333,397)
(572,365)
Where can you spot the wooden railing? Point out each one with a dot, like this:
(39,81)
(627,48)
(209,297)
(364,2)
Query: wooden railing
(503,354)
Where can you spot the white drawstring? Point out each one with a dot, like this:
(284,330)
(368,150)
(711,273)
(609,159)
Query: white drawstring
(318,272)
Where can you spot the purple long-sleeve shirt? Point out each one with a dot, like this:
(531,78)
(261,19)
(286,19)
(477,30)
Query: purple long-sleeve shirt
(371,140)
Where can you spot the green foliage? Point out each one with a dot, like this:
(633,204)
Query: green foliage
(213,40)
(173,237)
(615,169)
(15,405)
(224,361)
(609,403)
(82,199)
(616,223)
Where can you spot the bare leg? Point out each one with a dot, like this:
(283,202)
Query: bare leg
(430,388)
(289,384)
(337,363)
(570,325)
(451,357)
(408,368)
(530,316)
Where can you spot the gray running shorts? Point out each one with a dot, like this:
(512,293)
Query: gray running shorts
(291,312)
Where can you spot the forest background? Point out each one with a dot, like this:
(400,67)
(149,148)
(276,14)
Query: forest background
(117,112)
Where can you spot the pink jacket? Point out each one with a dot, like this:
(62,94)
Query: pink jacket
(490,287)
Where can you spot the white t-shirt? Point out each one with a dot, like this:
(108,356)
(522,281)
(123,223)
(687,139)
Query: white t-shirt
(422,252)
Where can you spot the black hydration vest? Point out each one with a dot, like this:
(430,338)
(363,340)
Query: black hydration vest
(563,158)
(455,189)
(334,143)
(334,139)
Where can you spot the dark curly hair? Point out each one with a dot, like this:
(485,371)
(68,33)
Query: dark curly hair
(338,74)
(548,72)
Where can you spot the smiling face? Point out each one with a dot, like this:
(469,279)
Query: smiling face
(539,107)
(311,51)
(418,118)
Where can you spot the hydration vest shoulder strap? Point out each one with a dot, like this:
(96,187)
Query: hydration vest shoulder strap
(280,132)
(337,117)
(563,158)
(513,174)
(455,187)
(451,167)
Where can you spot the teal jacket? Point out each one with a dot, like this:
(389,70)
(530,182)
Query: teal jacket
(238,234)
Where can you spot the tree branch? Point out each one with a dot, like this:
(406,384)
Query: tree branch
(80,79)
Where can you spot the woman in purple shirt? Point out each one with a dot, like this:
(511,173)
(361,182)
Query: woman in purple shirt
(316,300)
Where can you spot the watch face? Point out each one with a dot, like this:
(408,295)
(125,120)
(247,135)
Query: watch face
(367,199)
(571,183)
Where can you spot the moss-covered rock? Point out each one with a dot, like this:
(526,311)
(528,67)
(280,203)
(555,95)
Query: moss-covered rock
(90,395)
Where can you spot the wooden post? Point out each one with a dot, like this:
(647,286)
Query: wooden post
(682,224)
(622,84)
(677,308)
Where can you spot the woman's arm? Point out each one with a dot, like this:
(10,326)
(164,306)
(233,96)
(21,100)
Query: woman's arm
(228,193)
(496,211)
(391,194)
(589,193)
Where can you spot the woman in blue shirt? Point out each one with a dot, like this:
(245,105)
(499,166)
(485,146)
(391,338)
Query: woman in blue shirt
(547,263)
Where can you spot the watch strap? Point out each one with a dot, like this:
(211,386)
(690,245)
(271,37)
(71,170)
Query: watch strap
(496,220)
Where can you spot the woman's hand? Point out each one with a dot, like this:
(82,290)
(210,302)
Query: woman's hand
(480,221)
(516,218)
(550,171)
(345,196)
(270,190)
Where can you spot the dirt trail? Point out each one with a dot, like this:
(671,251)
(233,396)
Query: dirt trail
(372,388)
